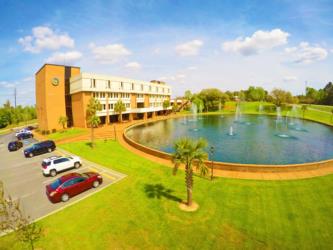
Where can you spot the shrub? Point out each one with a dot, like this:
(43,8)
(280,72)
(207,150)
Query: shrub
(269,108)
(54,130)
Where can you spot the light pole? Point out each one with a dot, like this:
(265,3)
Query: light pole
(211,152)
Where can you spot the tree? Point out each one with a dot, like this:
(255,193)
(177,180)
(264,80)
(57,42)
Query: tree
(175,107)
(93,122)
(188,95)
(199,103)
(119,108)
(255,94)
(189,152)
(63,121)
(304,108)
(166,104)
(12,219)
(92,119)
(280,96)
(212,99)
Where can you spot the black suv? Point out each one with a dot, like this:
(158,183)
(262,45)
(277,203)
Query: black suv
(40,148)
(15,145)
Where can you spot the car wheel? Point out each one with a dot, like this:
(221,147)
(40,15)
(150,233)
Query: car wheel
(53,172)
(65,197)
(49,150)
(31,155)
(95,184)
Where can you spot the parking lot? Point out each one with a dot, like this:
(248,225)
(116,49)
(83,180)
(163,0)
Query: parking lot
(23,178)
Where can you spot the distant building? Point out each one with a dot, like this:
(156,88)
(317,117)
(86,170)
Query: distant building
(66,91)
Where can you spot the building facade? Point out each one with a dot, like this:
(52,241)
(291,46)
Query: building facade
(66,91)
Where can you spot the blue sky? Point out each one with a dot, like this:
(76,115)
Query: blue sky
(189,44)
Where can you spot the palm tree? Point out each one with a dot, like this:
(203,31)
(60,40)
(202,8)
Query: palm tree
(119,108)
(189,152)
(63,121)
(304,108)
(93,122)
(92,119)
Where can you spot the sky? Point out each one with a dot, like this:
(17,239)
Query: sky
(191,45)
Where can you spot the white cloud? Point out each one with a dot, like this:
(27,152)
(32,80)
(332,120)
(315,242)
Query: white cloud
(289,78)
(180,78)
(304,53)
(133,65)
(259,41)
(190,48)
(110,53)
(7,85)
(63,58)
(191,68)
(156,51)
(43,38)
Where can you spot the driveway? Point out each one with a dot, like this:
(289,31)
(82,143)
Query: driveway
(23,178)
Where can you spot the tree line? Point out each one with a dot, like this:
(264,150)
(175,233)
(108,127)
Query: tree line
(213,99)
(322,96)
(10,115)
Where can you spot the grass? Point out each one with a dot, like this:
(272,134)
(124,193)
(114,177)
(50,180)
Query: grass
(141,211)
(67,133)
(20,124)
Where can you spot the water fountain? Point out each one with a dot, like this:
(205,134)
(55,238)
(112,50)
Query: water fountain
(231,131)
(194,111)
(278,115)
(238,113)
(261,108)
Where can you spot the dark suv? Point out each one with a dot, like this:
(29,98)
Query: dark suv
(15,145)
(23,136)
(40,148)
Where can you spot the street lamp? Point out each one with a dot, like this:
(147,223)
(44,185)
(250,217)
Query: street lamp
(211,152)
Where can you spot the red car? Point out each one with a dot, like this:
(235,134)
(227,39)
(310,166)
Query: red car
(72,184)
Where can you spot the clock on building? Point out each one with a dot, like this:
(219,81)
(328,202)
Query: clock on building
(55,81)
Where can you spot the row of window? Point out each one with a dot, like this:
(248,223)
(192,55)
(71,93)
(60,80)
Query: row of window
(123,95)
(156,104)
(110,95)
(108,86)
(111,106)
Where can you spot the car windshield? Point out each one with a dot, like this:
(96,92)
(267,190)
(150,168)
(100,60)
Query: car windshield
(55,184)
(46,163)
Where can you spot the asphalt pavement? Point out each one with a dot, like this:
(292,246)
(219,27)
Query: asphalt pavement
(23,178)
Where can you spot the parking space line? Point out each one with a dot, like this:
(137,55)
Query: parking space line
(103,173)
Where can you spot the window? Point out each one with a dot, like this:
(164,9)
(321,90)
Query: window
(109,84)
(111,106)
(132,86)
(68,183)
(104,106)
(150,88)
(78,180)
(141,87)
(92,83)
(121,85)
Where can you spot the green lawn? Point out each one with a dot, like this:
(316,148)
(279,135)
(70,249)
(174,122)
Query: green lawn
(322,107)
(141,211)
(9,127)
(68,133)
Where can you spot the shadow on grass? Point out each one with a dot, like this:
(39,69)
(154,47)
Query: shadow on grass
(158,191)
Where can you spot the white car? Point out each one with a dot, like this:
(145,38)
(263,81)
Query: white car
(22,131)
(55,164)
